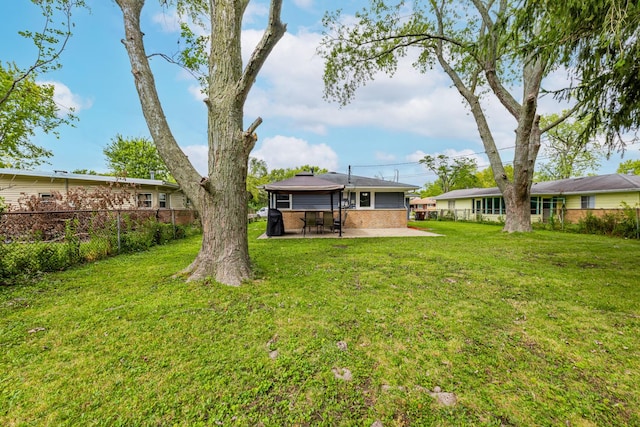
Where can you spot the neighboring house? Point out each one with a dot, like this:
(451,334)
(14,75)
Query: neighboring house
(368,202)
(422,208)
(565,199)
(149,193)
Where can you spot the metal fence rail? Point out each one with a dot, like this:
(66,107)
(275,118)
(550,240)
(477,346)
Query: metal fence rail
(54,240)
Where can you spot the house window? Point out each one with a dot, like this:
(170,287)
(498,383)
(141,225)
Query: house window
(588,202)
(46,197)
(451,204)
(283,201)
(162,200)
(365,199)
(144,200)
(535,206)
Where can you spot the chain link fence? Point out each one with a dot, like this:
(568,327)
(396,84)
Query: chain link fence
(32,242)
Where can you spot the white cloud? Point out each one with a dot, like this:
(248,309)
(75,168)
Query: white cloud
(303,4)
(384,157)
(255,11)
(198,155)
(289,152)
(67,100)
(197,93)
(169,20)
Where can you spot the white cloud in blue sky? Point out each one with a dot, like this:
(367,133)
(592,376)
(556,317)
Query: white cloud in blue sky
(391,122)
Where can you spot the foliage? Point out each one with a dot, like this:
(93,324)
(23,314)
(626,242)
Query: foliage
(485,178)
(28,107)
(569,155)
(629,166)
(257,176)
(625,224)
(598,43)
(541,332)
(286,173)
(85,172)
(135,158)
(431,189)
(453,173)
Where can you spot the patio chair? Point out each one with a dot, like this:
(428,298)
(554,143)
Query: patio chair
(327,221)
(337,226)
(310,220)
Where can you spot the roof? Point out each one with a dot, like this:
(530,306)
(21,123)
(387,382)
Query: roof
(332,181)
(354,181)
(613,183)
(81,177)
(425,201)
(304,182)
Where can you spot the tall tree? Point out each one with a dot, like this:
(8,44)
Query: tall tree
(220,196)
(452,173)
(472,41)
(629,166)
(568,154)
(598,42)
(135,158)
(28,107)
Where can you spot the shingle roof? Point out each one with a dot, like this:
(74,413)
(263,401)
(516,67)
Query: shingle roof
(354,181)
(583,185)
(303,183)
(81,177)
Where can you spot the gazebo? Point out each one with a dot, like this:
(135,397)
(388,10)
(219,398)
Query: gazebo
(313,194)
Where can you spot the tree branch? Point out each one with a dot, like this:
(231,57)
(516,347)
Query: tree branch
(38,63)
(561,119)
(274,32)
(179,165)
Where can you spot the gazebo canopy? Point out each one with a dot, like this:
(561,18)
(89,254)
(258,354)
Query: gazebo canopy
(304,182)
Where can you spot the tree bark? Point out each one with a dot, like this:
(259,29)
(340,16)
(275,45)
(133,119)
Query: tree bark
(220,197)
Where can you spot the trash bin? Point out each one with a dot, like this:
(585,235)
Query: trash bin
(275,224)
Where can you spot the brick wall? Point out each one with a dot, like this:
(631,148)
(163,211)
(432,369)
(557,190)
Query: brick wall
(575,215)
(387,218)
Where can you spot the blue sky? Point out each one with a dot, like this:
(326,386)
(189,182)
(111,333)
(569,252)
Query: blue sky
(392,123)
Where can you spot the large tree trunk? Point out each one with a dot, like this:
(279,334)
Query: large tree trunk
(220,197)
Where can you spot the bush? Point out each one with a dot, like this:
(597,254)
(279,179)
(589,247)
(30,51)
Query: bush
(623,224)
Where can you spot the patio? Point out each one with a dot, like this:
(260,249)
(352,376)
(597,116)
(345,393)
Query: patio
(354,233)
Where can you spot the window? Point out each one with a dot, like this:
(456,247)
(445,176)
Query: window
(490,206)
(365,199)
(588,202)
(283,201)
(144,200)
(451,204)
(389,200)
(46,197)
(535,206)
(162,200)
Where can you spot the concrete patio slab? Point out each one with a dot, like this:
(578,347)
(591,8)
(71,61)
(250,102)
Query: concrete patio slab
(355,233)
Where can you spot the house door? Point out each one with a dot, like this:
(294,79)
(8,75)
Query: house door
(547,209)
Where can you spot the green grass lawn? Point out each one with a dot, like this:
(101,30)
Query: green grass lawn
(523,329)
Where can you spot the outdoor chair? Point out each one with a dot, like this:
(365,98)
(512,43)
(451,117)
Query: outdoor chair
(327,221)
(310,220)
(337,226)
